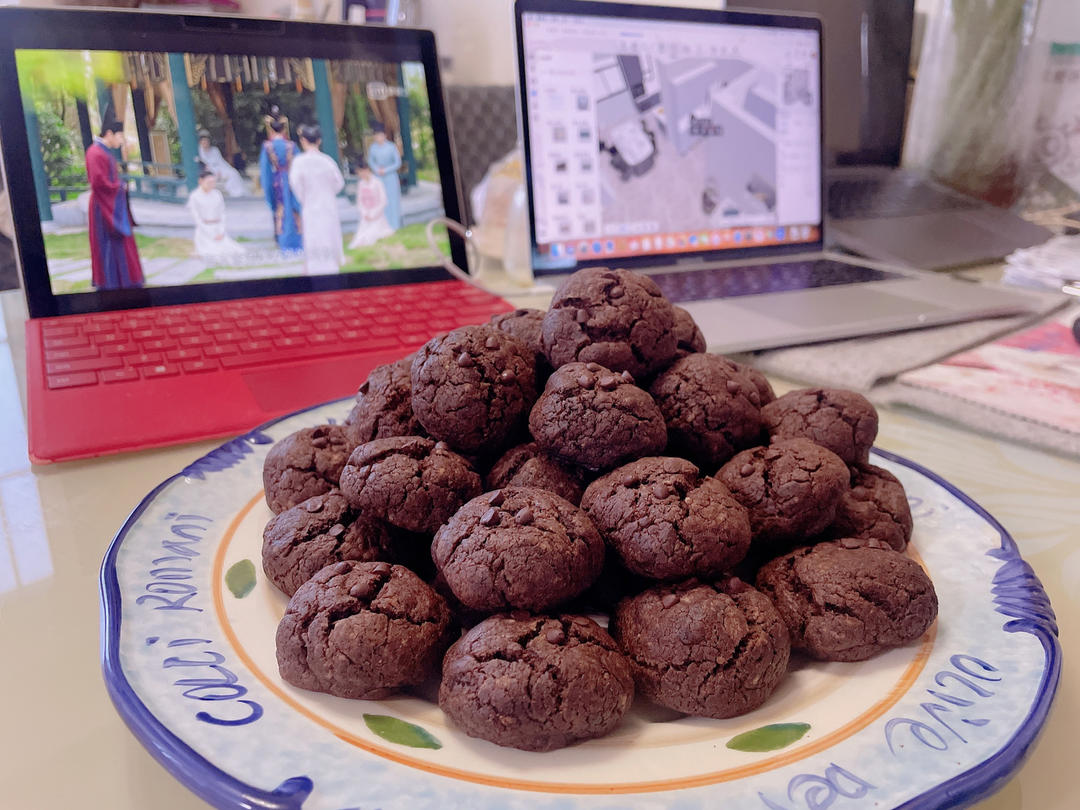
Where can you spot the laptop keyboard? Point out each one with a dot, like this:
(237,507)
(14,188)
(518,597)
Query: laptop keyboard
(896,196)
(732,282)
(108,348)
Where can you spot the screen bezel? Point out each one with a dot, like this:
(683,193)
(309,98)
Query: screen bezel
(22,28)
(667,14)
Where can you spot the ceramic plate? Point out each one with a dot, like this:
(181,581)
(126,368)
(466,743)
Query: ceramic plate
(188,648)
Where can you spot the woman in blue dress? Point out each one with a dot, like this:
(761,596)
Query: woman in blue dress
(384,160)
(275,160)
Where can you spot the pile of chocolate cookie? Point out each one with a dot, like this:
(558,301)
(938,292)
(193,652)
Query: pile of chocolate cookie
(489,494)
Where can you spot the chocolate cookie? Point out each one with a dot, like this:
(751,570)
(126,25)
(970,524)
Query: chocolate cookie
(709,649)
(384,405)
(688,337)
(876,507)
(473,386)
(536,683)
(761,383)
(408,481)
(616,318)
(665,521)
(518,547)
(322,530)
(528,466)
(524,324)
(842,421)
(594,418)
(362,630)
(710,407)
(305,463)
(848,600)
(790,488)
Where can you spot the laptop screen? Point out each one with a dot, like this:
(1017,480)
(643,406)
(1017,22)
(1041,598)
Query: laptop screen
(662,137)
(227,163)
(167,169)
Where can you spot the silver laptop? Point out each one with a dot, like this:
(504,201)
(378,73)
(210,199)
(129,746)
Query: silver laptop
(687,144)
(876,208)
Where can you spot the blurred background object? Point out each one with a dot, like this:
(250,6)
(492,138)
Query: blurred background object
(974,110)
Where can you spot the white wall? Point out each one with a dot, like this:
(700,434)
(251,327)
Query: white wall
(477,36)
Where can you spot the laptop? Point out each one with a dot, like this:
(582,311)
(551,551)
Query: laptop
(175,290)
(876,208)
(686,144)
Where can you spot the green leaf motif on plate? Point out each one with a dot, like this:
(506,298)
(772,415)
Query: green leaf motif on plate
(400,732)
(769,738)
(240,578)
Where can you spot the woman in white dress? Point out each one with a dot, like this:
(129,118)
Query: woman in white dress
(316,180)
(210,156)
(372,224)
(207,207)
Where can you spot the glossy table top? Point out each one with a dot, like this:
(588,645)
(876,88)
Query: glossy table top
(62,745)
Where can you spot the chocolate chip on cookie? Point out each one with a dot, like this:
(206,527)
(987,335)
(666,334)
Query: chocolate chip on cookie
(790,488)
(410,482)
(592,417)
(537,683)
(666,521)
(473,386)
(688,337)
(710,407)
(518,547)
(761,383)
(847,601)
(305,463)
(528,466)
(384,405)
(876,507)
(843,421)
(362,630)
(616,318)
(313,534)
(525,325)
(715,649)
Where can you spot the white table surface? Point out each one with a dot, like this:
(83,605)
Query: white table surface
(62,745)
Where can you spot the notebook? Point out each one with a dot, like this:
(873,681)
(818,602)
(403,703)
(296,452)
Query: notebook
(687,143)
(219,220)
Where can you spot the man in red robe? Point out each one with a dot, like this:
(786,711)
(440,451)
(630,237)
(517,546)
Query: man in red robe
(113,254)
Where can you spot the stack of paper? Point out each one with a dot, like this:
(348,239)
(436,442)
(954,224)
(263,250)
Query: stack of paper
(1055,264)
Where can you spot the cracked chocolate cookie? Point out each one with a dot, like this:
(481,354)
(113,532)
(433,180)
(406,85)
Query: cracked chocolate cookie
(710,407)
(536,683)
(595,418)
(761,383)
(518,547)
(305,463)
(708,649)
(688,337)
(790,488)
(876,507)
(524,324)
(528,466)
(849,600)
(842,421)
(666,521)
(317,532)
(410,482)
(473,386)
(616,318)
(384,405)
(362,630)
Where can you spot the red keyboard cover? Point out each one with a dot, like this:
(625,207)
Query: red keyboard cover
(86,373)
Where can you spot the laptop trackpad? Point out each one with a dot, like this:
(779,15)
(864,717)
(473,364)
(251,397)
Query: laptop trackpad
(857,304)
(290,388)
